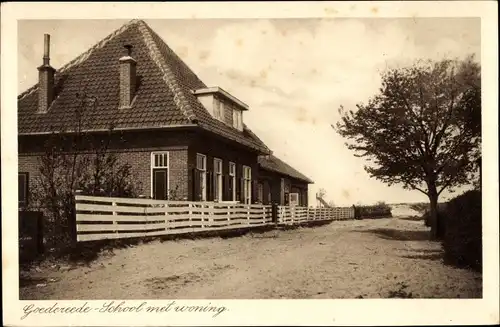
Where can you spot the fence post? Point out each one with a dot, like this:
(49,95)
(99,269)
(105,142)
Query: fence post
(115,223)
(274,213)
(263,214)
(203,215)
(229,208)
(190,213)
(166,219)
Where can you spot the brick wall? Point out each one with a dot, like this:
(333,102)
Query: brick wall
(179,173)
(140,161)
(134,148)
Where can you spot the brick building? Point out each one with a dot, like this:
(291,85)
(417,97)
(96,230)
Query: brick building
(174,131)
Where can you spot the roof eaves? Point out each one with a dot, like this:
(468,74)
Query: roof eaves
(98,130)
(239,140)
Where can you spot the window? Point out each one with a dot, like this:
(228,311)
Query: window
(222,109)
(218,179)
(159,175)
(216,109)
(237,119)
(247,184)
(260,193)
(269,196)
(201,166)
(219,109)
(23,182)
(294,199)
(160,160)
(232,181)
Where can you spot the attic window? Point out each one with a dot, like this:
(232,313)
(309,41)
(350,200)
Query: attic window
(219,109)
(238,119)
(222,106)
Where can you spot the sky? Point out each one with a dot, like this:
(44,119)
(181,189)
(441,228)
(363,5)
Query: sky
(293,73)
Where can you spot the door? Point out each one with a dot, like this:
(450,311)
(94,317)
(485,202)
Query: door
(160,184)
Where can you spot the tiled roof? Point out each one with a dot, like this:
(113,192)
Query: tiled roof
(272,163)
(163,98)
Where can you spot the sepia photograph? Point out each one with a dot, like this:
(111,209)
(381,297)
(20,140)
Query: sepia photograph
(270,158)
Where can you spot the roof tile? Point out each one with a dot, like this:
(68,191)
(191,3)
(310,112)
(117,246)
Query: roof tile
(273,163)
(163,97)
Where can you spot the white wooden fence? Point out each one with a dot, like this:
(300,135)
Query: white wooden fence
(297,215)
(100,218)
(335,213)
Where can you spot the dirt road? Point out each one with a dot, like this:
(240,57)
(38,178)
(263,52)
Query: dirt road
(351,259)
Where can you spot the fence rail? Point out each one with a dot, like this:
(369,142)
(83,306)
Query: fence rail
(297,215)
(100,218)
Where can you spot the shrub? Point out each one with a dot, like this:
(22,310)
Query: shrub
(62,173)
(462,240)
(379,210)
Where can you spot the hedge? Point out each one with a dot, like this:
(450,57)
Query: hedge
(462,230)
(375,211)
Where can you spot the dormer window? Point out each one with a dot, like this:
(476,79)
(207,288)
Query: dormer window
(238,119)
(222,106)
(219,109)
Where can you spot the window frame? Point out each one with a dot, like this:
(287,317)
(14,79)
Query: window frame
(154,166)
(24,203)
(218,178)
(295,195)
(222,110)
(203,175)
(219,109)
(247,183)
(260,192)
(238,119)
(232,179)
(162,153)
(216,108)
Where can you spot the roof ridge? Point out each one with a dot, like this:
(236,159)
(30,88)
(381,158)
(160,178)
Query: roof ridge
(83,56)
(168,75)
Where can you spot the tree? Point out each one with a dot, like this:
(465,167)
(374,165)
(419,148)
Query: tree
(423,128)
(77,160)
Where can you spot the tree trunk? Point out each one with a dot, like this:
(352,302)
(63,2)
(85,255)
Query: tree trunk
(433,214)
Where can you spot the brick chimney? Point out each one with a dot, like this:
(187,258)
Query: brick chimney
(128,78)
(45,79)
